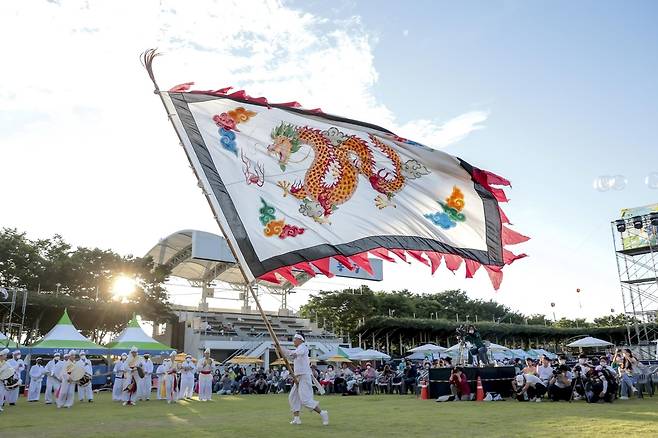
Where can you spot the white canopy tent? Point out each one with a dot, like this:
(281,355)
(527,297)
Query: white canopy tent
(428,348)
(589,341)
(371,355)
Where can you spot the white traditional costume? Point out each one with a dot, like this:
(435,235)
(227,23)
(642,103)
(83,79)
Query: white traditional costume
(301,393)
(160,371)
(3,391)
(52,377)
(131,377)
(205,376)
(117,371)
(85,392)
(171,378)
(37,371)
(67,386)
(187,378)
(144,387)
(19,366)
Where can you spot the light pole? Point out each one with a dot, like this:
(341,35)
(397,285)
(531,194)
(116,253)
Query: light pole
(553,306)
(57,291)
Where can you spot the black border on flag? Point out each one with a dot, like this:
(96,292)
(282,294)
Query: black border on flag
(493,255)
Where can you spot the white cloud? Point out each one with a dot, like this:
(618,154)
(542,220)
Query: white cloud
(92,154)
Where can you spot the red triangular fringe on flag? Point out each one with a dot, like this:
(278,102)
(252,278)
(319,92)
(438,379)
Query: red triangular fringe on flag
(306,267)
(453,262)
(418,255)
(344,261)
(471,267)
(495,275)
(509,257)
(511,237)
(503,217)
(361,260)
(323,266)
(286,272)
(435,260)
(271,277)
(382,254)
(400,253)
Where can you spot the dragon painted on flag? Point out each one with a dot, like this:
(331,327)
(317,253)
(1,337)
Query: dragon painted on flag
(293,187)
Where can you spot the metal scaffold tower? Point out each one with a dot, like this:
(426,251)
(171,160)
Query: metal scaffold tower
(636,250)
(13,302)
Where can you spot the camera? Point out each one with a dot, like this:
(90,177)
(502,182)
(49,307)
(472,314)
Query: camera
(461,330)
(557,371)
(577,369)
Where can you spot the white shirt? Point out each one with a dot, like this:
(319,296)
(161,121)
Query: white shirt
(187,369)
(86,364)
(57,369)
(50,367)
(302,364)
(36,372)
(545,373)
(532,379)
(148,366)
(119,369)
(18,366)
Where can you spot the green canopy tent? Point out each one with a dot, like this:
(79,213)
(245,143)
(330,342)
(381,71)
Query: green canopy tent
(64,337)
(133,335)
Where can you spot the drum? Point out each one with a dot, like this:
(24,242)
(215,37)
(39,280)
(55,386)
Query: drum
(7,376)
(141,373)
(80,375)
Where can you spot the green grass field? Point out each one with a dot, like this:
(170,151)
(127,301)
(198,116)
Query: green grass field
(363,416)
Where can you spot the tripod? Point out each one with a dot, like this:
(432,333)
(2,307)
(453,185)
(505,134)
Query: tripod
(576,380)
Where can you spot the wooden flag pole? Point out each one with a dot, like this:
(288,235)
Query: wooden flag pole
(147,59)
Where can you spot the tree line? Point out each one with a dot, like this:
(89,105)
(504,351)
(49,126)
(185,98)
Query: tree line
(55,275)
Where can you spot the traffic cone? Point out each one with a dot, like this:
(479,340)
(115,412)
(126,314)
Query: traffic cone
(424,392)
(479,393)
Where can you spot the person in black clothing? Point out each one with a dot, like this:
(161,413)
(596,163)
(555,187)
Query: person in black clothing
(410,374)
(477,352)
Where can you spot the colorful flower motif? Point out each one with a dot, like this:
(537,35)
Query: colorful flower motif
(224,121)
(274,227)
(441,220)
(227,140)
(240,114)
(451,211)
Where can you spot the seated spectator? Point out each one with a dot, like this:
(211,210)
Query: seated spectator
(225,385)
(216,378)
(530,368)
(327,379)
(384,380)
(459,386)
(518,366)
(260,387)
(245,386)
(544,370)
(369,376)
(410,375)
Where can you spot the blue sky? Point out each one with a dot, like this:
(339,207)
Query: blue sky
(549,95)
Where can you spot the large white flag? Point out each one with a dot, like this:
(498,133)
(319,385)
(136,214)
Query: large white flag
(294,187)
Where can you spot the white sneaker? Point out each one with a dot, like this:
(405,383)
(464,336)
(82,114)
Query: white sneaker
(296,420)
(538,400)
(623,397)
(325,417)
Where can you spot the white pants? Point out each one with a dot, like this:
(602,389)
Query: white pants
(205,387)
(117,387)
(170,387)
(158,381)
(52,385)
(2,394)
(301,394)
(186,386)
(144,388)
(34,392)
(126,395)
(85,392)
(11,395)
(66,394)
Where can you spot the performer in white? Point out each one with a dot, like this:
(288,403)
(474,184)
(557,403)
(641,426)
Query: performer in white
(144,389)
(67,386)
(205,376)
(301,393)
(171,378)
(131,377)
(3,359)
(19,366)
(118,370)
(52,378)
(85,392)
(37,371)
(160,371)
(187,378)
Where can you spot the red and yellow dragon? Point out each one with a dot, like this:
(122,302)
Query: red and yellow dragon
(339,159)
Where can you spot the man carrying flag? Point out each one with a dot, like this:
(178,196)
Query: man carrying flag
(301,393)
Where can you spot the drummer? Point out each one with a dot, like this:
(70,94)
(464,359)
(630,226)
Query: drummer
(67,385)
(3,360)
(19,366)
(131,377)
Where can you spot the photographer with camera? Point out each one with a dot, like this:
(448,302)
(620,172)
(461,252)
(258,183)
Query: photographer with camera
(459,386)
(598,386)
(528,387)
(477,352)
(559,387)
